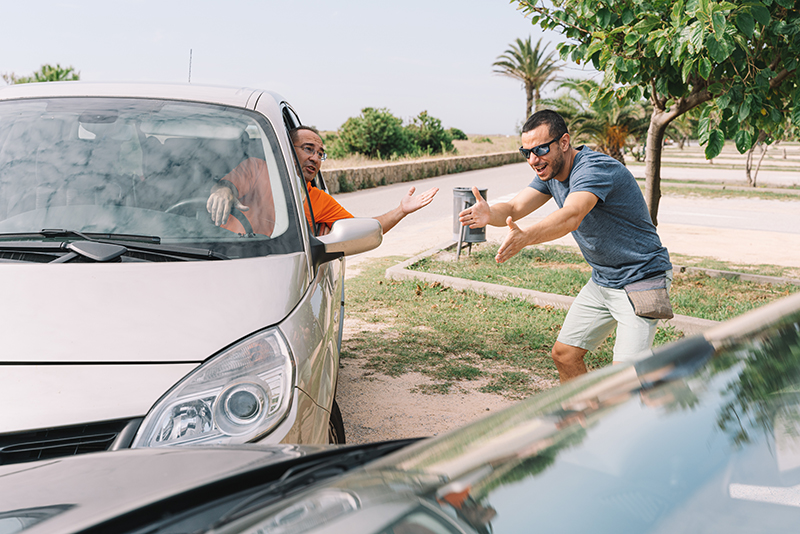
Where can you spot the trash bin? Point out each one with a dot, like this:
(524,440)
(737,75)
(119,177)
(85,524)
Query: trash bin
(462,199)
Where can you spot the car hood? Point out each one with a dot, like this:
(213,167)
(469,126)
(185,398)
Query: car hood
(141,312)
(70,494)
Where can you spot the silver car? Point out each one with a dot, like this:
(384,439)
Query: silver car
(127,318)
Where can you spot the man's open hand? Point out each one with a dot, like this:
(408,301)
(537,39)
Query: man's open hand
(477,215)
(515,241)
(411,203)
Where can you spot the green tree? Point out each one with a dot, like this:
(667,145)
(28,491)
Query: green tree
(609,126)
(736,60)
(531,65)
(376,133)
(426,132)
(47,73)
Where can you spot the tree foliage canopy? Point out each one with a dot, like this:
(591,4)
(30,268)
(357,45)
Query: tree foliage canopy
(738,59)
(742,54)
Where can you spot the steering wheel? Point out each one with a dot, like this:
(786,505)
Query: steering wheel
(198,201)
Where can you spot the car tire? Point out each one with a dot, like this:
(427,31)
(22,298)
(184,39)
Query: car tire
(336,426)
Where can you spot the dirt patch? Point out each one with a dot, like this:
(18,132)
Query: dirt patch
(378,407)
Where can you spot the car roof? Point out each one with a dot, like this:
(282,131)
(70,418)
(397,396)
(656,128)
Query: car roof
(242,97)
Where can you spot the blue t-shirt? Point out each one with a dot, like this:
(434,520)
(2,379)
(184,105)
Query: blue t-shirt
(617,237)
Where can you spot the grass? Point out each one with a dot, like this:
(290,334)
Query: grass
(457,337)
(563,271)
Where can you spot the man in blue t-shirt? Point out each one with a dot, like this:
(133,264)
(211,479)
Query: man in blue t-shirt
(600,203)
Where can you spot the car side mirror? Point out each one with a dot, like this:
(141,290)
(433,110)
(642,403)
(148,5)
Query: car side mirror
(347,237)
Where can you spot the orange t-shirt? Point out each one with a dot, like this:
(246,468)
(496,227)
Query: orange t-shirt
(326,210)
(251,179)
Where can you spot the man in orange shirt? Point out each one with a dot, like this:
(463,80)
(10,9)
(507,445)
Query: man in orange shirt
(310,154)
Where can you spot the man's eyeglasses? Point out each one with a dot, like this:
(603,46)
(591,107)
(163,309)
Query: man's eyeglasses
(539,150)
(310,151)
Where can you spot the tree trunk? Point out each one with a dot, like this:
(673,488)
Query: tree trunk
(529,100)
(751,179)
(652,162)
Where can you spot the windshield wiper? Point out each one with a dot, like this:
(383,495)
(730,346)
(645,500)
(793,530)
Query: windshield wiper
(141,245)
(88,236)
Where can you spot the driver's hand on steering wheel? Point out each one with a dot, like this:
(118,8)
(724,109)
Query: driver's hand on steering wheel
(221,202)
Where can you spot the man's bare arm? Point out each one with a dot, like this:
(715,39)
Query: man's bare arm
(409,204)
(558,224)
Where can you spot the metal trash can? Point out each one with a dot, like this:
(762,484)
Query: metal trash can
(462,199)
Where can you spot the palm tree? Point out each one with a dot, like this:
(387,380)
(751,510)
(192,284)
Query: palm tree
(609,127)
(531,65)
(47,73)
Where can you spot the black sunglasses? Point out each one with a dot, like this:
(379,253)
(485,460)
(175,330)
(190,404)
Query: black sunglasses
(539,150)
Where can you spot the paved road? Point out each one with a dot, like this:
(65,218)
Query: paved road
(737,230)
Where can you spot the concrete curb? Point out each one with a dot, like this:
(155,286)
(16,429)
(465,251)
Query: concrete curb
(732,275)
(688,325)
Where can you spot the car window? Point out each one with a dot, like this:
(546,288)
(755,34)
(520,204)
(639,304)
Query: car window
(146,167)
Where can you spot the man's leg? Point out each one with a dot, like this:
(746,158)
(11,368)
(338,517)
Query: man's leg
(587,324)
(569,361)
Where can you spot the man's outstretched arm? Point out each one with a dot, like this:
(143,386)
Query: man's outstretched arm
(409,204)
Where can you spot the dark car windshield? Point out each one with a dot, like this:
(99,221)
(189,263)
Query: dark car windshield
(126,166)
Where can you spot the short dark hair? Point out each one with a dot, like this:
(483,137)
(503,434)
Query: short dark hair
(555,122)
(293,132)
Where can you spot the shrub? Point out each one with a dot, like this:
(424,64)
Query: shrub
(457,135)
(427,133)
(376,133)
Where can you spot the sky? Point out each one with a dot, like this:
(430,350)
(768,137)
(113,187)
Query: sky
(329,59)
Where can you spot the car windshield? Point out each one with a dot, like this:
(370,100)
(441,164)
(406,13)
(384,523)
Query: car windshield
(142,167)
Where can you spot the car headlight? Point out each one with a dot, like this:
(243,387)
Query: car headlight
(235,397)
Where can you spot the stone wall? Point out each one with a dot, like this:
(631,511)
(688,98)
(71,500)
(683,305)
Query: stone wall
(352,179)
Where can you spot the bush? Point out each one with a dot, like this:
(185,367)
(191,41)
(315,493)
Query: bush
(427,134)
(376,133)
(457,135)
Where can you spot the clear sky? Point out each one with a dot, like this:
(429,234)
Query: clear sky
(329,58)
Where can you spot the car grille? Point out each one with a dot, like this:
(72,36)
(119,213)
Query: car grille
(65,441)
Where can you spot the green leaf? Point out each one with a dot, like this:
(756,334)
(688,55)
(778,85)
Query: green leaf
(743,141)
(646,25)
(715,143)
(719,50)
(628,16)
(719,24)
(788,4)
(686,70)
(660,46)
(760,13)
(604,17)
(704,67)
(677,12)
(744,111)
(632,38)
(596,45)
(723,100)
(696,35)
(716,88)
(745,23)
(796,114)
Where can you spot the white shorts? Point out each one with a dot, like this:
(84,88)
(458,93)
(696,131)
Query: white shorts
(595,313)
